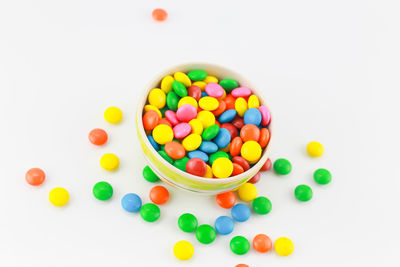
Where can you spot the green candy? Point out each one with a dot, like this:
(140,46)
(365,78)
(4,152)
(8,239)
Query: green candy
(181,163)
(165,156)
(229,84)
(187,222)
(205,234)
(282,166)
(262,205)
(150,212)
(149,175)
(172,101)
(179,89)
(210,132)
(322,176)
(218,154)
(303,192)
(165,108)
(102,191)
(239,245)
(197,75)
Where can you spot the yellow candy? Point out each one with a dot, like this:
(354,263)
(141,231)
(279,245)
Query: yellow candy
(284,246)
(166,84)
(58,196)
(247,192)
(222,167)
(223,96)
(226,149)
(210,79)
(251,151)
(113,115)
(253,102)
(150,107)
(187,100)
(191,142)
(163,134)
(206,118)
(183,250)
(183,78)
(157,98)
(209,173)
(241,106)
(200,84)
(315,149)
(109,162)
(197,126)
(208,103)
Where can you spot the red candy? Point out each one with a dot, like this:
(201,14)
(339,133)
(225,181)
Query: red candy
(221,108)
(164,121)
(196,166)
(226,200)
(195,92)
(264,137)
(250,132)
(230,102)
(237,169)
(255,178)
(232,129)
(150,120)
(267,166)
(238,122)
(159,195)
(175,150)
(236,145)
(242,162)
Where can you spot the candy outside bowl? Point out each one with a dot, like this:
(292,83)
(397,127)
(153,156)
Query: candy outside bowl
(174,176)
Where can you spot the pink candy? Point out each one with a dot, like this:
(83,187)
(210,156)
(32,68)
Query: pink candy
(171,117)
(265,115)
(186,113)
(182,130)
(241,92)
(214,90)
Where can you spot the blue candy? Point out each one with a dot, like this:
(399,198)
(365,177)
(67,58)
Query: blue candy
(153,142)
(223,138)
(252,116)
(240,212)
(203,94)
(208,147)
(224,225)
(131,202)
(227,116)
(198,154)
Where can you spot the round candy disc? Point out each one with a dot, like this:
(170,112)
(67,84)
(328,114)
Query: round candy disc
(284,246)
(102,191)
(303,192)
(58,196)
(150,212)
(205,234)
(35,176)
(183,250)
(187,222)
(131,202)
(282,166)
(239,245)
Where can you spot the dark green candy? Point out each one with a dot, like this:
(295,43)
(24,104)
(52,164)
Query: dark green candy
(179,89)
(181,163)
(149,175)
(197,75)
(205,234)
(239,245)
(172,101)
(303,192)
(187,222)
(165,156)
(229,84)
(150,212)
(210,132)
(262,205)
(165,108)
(218,154)
(322,176)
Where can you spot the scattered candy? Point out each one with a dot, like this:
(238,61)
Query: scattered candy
(102,191)
(315,149)
(159,195)
(322,176)
(205,234)
(224,225)
(58,196)
(113,115)
(183,250)
(239,245)
(99,137)
(284,246)
(262,243)
(226,200)
(262,205)
(131,202)
(282,166)
(303,192)
(35,176)
(149,175)
(109,162)
(240,212)
(247,192)
(267,166)
(255,179)
(187,222)
(159,14)
(150,212)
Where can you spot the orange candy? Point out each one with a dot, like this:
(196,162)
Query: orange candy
(164,121)
(230,101)
(150,120)
(250,132)
(226,200)
(159,194)
(236,145)
(241,265)
(35,176)
(98,137)
(175,150)
(221,108)
(262,243)
(264,137)
(242,162)
(159,14)
(237,169)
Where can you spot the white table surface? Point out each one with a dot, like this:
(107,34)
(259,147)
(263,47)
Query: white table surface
(329,69)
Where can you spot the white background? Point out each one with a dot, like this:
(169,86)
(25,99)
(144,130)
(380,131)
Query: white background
(329,69)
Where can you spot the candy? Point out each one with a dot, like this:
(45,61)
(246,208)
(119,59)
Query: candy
(315,149)
(159,14)
(196,126)
(223,138)
(99,137)
(149,175)
(255,179)
(183,78)
(172,101)
(163,134)
(229,84)
(241,92)
(187,222)
(240,212)
(226,200)
(253,102)
(159,195)
(284,246)
(179,88)
(188,100)
(264,137)
(267,166)
(214,90)
(230,101)
(241,265)
(182,130)
(303,192)
(200,84)
(165,156)
(224,225)
(247,192)
(251,151)
(282,166)
(252,116)
(209,173)
(186,113)
(102,191)
(262,205)
(205,234)
(262,243)
(210,79)
(238,122)
(197,75)
(166,84)
(240,106)
(221,108)
(183,250)
(35,176)
(171,117)
(109,162)
(210,132)
(242,162)
(237,169)
(150,107)
(208,103)
(239,245)
(150,212)
(265,115)
(236,145)
(191,142)
(222,167)
(157,98)
(181,163)
(58,196)
(131,202)
(198,154)
(206,118)
(250,132)
(113,115)
(150,120)
(195,92)
(208,147)
(322,176)
(196,166)
(227,116)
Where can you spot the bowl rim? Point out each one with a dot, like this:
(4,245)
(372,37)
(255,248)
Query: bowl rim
(193,65)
